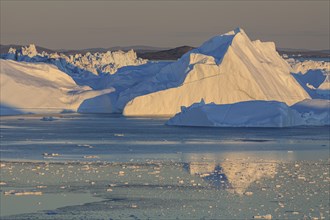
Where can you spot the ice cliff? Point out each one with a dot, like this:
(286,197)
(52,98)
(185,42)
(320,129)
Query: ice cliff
(254,114)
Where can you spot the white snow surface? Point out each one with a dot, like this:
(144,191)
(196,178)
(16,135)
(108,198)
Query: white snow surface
(226,69)
(40,88)
(254,114)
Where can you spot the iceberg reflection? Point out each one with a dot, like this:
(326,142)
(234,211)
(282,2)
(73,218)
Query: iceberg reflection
(233,175)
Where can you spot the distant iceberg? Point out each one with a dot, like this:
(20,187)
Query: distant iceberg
(96,63)
(304,66)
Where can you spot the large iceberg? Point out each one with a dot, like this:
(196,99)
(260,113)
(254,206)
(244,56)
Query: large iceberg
(40,88)
(226,69)
(254,114)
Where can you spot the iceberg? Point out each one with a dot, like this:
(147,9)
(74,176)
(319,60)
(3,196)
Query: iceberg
(254,114)
(304,66)
(41,88)
(315,82)
(226,69)
(324,88)
(314,111)
(96,63)
(242,114)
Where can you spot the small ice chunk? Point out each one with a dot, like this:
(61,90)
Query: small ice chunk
(248,193)
(47,118)
(51,154)
(118,135)
(301,178)
(268,216)
(85,145)
(22,193)
(134,206)
(91,157)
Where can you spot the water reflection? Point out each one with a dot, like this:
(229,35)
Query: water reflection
(234,175)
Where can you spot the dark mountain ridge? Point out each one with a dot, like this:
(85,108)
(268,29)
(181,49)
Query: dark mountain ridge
(157,53)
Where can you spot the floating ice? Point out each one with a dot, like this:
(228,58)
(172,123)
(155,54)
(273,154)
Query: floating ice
(254,114)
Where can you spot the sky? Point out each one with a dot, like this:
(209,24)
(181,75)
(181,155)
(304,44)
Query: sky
(58,24)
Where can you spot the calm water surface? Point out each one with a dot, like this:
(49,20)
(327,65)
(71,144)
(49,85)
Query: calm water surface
(113,167)
(117,138)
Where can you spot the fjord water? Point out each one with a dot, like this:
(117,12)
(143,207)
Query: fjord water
(115,167)
(121,139)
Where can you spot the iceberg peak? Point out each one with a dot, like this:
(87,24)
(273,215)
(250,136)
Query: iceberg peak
(30,50)
(235,31)
(217,46)
(239,30)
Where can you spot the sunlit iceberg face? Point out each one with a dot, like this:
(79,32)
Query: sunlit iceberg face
(233,175)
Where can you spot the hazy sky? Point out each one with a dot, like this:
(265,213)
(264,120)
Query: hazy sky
(85,24)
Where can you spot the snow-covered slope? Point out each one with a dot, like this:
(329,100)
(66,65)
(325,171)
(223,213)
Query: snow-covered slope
(226,69)
(39,88)
(254,114)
